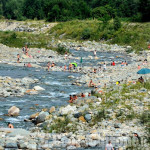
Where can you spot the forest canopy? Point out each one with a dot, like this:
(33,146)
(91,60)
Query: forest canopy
(65,10)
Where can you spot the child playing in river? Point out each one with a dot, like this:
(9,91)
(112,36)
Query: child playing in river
(18,58)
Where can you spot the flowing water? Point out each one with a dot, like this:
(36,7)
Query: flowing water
(57,87)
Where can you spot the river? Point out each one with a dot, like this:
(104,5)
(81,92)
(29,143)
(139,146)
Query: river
(57,87)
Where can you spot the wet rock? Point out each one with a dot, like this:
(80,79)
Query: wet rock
(14,111)
(52,109)
(1,119)
(33,116)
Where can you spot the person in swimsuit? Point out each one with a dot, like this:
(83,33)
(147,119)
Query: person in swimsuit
(18,58)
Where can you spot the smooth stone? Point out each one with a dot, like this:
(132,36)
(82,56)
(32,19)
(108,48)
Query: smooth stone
(14,111)
(33,116)
(32,146)
(11,144)
(82,119)
(93,143)
(52,109)
(77,115)
(71,147)
(16,132)
(38,88)
(87,117)
(41,117)
(22,145)
(68,110)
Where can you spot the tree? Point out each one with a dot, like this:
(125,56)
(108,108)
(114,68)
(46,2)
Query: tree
(101,13)
(13,9)
(145,10)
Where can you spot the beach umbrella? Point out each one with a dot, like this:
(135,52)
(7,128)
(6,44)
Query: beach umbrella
(75,64)
(144,71)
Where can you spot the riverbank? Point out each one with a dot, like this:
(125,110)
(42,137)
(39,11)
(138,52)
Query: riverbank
(117,112)
(46,35)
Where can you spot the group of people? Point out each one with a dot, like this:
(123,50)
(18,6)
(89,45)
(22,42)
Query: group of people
(25,50)
(124,63)
(50,65)
(73,98)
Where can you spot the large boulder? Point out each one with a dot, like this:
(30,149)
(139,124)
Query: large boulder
(13,111)
(41,118)
(68,110)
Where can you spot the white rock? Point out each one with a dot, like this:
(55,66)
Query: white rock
(95,136)
(68,110)
(38,88)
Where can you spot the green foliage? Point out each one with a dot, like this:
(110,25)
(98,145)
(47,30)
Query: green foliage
(19,39)
(64,10)
(61,126)
(117,23)
(145,118)
(145,10)
(86,34)
(99,116)
(61,49)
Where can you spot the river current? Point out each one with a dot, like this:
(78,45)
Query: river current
(57,87)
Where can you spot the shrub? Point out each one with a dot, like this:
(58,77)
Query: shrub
(60,126)
(61,49)
(86,34)
(100,115)
(117,23)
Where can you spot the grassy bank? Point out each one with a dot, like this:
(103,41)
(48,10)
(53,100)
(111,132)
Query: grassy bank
(19,39)
(133,34)
(136,35)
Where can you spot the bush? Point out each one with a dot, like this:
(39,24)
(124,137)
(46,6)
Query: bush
(100,115)
(86,34)
(61,49)
(61,126)
(117,23)
(13,36)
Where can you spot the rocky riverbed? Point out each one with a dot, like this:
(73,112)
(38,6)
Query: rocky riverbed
(91,121)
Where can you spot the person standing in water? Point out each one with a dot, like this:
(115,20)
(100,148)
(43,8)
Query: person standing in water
(48,66)
(18,58)
(94,53)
